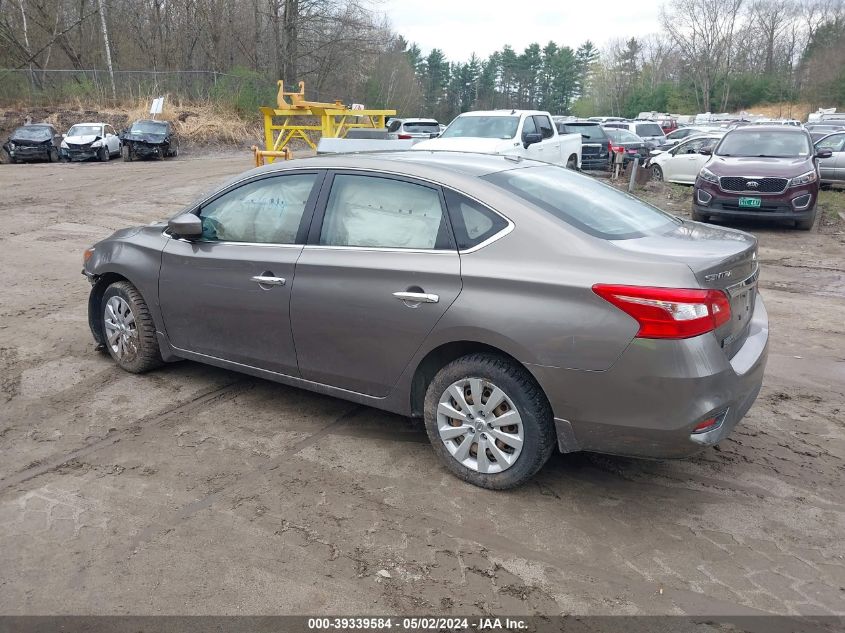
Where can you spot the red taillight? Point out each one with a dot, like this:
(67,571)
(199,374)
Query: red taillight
(619,149)
(405,136)
(610,147)
(669,312)
(707,425)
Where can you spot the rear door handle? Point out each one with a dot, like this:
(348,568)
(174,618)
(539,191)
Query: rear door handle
(416,297)
(266,280)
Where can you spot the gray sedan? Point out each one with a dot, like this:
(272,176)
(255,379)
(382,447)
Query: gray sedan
(516,306)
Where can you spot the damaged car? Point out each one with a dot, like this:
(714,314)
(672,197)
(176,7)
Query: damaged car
(90,140)
(148,138)
(34,142)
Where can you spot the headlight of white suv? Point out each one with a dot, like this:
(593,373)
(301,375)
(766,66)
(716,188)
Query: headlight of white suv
(64,144)
(708,175)
(803,179)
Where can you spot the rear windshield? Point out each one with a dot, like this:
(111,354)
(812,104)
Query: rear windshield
(482,127)
(764,143)
(649,129)
(593,207)
(592,132)
(623,136)
(429,128)
(33,133)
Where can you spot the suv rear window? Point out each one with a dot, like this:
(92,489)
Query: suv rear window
(592,132)
(595,208)
(430,128)
(649,129)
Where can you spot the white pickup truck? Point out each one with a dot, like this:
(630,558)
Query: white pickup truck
(527,133)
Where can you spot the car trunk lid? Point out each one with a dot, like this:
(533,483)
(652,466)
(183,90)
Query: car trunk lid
(720,259)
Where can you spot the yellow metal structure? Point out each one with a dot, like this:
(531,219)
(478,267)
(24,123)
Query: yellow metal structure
(290,119)
(260,155)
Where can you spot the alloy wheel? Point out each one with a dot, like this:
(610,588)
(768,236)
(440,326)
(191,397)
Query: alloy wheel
(480,425)
(121,329)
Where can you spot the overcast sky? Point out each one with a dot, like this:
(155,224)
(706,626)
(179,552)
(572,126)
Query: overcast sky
(461,27)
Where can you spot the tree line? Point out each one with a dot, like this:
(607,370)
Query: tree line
(706,55)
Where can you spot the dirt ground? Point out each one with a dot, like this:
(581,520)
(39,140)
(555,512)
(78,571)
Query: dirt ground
(193,490)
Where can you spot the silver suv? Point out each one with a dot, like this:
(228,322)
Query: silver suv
(649,131)
(412,128)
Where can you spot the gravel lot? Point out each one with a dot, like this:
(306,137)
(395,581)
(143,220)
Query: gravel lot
(194,490)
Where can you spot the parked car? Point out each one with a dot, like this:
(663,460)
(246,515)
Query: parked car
(90,140)
(631,146)
(832,169)
(34,142)
(525,133)
(820,130)
(761,172)
(682,163)
(150,138)
(673,138)
(595,143)
(500,299)
(412,128)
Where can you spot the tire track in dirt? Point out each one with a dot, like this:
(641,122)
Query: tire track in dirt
(201,401)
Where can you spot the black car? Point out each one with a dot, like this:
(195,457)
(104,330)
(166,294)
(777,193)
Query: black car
(631,146)
(595,143)
(149,138)
(34,142)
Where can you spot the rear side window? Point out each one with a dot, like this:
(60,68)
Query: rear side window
(369,211)
(544,126)
(394,125)
(593,207)
(473,223)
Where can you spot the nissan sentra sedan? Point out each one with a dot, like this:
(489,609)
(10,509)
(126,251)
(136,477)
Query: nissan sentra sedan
(518,307)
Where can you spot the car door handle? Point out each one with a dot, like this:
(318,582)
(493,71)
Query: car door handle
(416,297)
(266,280)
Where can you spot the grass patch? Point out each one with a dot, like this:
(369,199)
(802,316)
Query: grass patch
(832,203)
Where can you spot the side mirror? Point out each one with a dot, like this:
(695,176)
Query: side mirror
(706,151)
(185,225)
(824,153)
(530,139)
(64,135)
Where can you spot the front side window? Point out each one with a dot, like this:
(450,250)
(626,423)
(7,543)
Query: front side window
(834,143)
(593,207)
(263,211)
(473,222)
(369,211)
(528,127)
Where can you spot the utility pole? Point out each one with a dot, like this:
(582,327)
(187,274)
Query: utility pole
(108,47)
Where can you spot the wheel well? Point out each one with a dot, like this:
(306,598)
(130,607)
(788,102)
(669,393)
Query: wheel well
(441,356)
(95,300)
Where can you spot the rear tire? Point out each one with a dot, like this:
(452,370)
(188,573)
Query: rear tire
(128,329)
(527,431)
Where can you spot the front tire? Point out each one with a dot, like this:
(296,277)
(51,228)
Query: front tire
(656,173)
(127,154)
(572,163)
(103,154)
(806,225)
(53,157)
(488,421)
(128,328)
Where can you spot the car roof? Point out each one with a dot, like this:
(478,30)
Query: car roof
(506,112)
(88,123)
(416,120)
(151,121)
(751,129)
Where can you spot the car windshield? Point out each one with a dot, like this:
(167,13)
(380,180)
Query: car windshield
(482,127)
(649,129)
(85,130)
(623,136)
(149,127)
(591,132)
(764,143)
(33,133)
(425,127)
(592,206)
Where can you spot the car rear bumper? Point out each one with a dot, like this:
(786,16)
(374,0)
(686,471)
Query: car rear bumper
(600,163)
(648,403)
